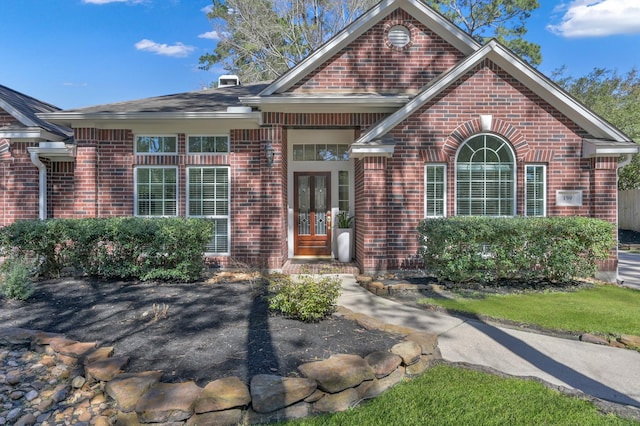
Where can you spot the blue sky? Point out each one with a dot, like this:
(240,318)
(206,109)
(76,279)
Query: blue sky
(75,53)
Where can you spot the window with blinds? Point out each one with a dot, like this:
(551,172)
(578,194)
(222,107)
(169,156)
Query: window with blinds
(435,190)
(536,190)
(156,191)
(208,196)
(485,177)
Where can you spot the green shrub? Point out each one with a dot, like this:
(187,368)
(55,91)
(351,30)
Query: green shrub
(124,247)
(15,279)
(309,298)
(557,249)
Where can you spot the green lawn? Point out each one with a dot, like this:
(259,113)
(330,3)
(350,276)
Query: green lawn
(445,395)
(603,309)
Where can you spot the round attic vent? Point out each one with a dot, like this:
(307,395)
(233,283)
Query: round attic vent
(399,36)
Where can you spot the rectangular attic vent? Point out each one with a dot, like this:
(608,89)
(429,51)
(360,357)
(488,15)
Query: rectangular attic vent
(228,80)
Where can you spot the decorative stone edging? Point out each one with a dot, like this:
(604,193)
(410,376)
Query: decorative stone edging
(331,385)
(380,288)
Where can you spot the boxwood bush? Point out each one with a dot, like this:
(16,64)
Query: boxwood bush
(484,249)
(125,247)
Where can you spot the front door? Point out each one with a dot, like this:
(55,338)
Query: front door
(312,214)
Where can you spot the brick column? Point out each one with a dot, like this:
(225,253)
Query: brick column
(604,206)
(371,208)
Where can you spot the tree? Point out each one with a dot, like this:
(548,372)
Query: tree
(261,39)
(501,19)
(616,98)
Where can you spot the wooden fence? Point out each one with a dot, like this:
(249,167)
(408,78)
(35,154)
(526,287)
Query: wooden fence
(629,209)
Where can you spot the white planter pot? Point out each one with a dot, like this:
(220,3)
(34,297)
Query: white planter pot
(345,238)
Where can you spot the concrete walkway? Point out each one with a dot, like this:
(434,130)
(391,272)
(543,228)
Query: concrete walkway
(608,373)
(629,269)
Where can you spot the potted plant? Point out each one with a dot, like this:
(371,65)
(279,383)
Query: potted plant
(344,236)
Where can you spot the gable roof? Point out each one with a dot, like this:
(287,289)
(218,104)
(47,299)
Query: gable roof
(595,125)
(28,125)
(417,8)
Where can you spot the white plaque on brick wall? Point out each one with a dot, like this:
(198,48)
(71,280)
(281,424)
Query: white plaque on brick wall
(568,198)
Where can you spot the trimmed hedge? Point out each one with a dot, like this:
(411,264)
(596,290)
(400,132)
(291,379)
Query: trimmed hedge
(484,249)
(124,247)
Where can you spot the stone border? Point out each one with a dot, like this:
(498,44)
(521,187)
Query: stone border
(335,384)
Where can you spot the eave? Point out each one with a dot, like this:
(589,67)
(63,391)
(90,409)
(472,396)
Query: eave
(30,134)
(73,118)
(605,148)
(308,102)
(54,151)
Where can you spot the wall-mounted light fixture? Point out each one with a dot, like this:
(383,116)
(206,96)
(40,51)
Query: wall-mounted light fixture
(269,153)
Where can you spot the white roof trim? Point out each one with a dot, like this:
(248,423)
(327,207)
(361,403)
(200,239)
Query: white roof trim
(433,20)
(395,100)
(371,151)
(54,151)
(67,117)
(599,148)
(29,133)
(494,51)
(17,114)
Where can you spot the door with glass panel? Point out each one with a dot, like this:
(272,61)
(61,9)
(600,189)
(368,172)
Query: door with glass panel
(312,214)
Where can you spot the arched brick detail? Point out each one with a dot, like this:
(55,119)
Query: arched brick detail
(499,127)
(5,151)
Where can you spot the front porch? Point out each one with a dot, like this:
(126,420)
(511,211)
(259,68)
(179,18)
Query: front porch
(319,266)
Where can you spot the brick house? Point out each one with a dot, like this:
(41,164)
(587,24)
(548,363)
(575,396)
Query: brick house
(401,116)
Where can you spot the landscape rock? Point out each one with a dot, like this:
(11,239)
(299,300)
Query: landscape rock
(630,340)
(379,386)
(341,401)
(126,389)
(409,351)
(339,372)
(270,393)
(420,366)
(167,402)
(295,411)
(217,418)
(223,394)
(427,341)
(383,362)
(592,338)
(105,369)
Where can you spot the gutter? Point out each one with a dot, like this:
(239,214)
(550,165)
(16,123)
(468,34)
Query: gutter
(42,187)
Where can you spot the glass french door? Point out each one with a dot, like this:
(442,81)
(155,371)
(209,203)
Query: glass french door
(312,213)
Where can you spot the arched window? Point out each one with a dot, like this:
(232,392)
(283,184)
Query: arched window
(485,177)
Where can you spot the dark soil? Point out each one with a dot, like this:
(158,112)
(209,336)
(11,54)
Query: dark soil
(199,331)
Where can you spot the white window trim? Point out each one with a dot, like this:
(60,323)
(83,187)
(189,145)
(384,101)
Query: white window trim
(208,136)
(544,186)
(135,143)
(228,217)
(515,169)
(444,208)
(135,189)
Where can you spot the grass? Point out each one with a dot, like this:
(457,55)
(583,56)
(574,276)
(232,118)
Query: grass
(602,309)
(447,395)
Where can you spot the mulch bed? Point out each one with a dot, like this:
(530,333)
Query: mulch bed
(198,331)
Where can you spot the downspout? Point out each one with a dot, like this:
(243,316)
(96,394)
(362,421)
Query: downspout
(35,159)
(621,164)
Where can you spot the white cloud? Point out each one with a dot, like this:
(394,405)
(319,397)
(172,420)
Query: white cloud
(178,50)
(207,9)
(71,84)
(210,35)
(598,18)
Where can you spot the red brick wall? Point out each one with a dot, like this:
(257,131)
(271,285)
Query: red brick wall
(19,185)
(371,64)
(433,134)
